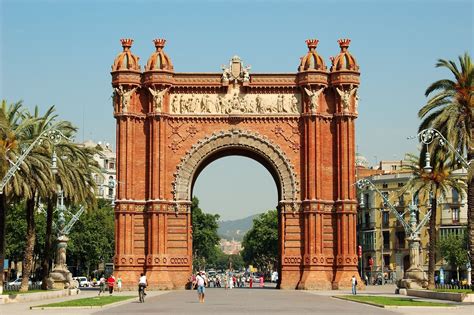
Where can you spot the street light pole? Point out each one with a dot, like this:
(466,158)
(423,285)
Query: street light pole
(414,275)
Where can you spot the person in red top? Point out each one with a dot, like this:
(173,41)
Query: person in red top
(111,284)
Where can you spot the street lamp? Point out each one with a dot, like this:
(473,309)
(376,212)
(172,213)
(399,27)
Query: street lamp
(428,136)
(414,277)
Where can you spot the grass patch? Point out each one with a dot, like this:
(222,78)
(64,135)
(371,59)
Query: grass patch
(390,301)
(92,301)
(467,291)
(18,292)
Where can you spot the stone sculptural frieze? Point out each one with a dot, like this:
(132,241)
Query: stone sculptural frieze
(235,103)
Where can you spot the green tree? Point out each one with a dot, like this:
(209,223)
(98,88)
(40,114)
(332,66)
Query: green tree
(205,238)
(91,240)
(453,248)
(431,185)
(450,110)
(260,245)
(13,131)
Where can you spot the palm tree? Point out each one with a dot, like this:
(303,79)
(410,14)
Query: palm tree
(33,180)
(13,131)
(431,185)
(450,110)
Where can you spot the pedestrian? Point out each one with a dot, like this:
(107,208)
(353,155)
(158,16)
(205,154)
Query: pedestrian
(101,284)
(201,282)
(119,284)
(261,281)
(111,284)
(354,285)
(250,282)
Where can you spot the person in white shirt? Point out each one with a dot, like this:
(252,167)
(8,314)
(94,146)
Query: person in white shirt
(201,282)
(354,285)
(142,283)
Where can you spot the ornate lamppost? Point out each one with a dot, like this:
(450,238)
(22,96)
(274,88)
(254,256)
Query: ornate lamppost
(60,277)
(428,136)
(414,277)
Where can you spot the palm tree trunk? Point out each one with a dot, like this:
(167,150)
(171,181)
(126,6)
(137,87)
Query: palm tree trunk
(30,243)
(3,217)
(432,244)
(47,244)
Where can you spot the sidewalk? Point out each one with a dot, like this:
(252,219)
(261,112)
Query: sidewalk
(24,308)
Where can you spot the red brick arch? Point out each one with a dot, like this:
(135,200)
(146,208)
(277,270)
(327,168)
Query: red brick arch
(238,141)
(300,126)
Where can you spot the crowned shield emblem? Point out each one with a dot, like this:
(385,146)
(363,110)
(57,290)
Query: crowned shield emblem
(236,67)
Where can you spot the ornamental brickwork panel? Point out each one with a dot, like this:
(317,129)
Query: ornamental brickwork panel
(300,126)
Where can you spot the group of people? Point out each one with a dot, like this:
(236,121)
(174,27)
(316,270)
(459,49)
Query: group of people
(110,283)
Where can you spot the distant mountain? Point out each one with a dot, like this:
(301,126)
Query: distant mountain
(235,229)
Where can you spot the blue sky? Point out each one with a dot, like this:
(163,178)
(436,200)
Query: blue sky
(60,52)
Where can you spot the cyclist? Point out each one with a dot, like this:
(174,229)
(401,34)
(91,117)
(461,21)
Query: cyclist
(142,284)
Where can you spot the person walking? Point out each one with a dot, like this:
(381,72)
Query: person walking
(262,281)
(119,284)
(354,285)
(111,284)
(101,285)
(201,282)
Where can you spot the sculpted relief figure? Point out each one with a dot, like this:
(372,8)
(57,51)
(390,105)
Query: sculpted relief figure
(294,104)
(175,104)
(157,99)
(226,74)
(206,104)
(346,97)
(356,101)
(313,98)
(125,97)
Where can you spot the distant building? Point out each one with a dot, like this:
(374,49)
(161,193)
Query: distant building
(230,247)
(106,180)
(383,237)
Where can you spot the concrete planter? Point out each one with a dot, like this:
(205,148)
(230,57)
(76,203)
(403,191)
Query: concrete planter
(30,297)
(448,296)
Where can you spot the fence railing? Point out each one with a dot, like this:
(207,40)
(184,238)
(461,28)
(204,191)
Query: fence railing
(450,286)
(16,287)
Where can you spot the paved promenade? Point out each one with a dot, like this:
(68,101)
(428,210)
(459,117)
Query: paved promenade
(240,301)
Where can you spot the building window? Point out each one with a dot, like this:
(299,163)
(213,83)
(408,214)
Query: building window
(386,240)
(455,212)
(366,200)
(394,167)
(112,166)
(384,185)
(416,199)
(368,240)
(401,201)
(386,261)
(400,185)
(385,219)
(455,196)
(400,239)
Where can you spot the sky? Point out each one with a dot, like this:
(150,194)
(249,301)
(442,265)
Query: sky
(60,52)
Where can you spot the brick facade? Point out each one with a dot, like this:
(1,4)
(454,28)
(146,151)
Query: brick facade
(299,126)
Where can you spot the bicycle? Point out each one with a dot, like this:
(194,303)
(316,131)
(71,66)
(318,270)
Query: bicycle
(141,293)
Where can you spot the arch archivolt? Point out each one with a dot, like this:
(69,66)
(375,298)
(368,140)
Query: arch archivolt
(235,139)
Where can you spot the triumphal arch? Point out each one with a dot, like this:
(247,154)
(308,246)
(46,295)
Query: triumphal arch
(300,126)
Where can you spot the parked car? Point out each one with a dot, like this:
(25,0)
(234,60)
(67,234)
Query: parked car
(83,282)
(18,282)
